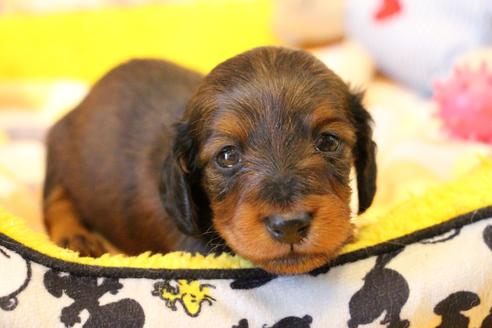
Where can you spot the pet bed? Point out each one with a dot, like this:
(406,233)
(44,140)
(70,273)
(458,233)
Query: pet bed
(427,262)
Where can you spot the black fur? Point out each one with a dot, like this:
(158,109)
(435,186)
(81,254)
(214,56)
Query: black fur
(176,181)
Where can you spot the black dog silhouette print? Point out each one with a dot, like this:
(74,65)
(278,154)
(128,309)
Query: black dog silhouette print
(12,262)
(487,236)
(384,291)
(86,291)
(487,322)
(451,307)
(287,322)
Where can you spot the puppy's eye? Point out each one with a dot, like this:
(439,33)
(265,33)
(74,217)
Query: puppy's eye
(228,157)
(328,143)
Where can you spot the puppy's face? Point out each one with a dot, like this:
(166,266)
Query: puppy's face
(271,136)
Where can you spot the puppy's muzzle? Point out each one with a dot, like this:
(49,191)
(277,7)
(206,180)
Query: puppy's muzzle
(288,228)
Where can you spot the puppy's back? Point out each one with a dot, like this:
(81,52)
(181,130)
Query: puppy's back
(107,152)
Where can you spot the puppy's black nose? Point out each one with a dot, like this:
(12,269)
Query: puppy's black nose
(289,228)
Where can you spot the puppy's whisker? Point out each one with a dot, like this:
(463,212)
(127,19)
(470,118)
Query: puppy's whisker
(214,245)
(210,230)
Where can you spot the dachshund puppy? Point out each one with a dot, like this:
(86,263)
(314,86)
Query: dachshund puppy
(254,157)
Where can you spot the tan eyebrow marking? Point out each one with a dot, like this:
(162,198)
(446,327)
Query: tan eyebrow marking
(227,128)
(323,115)
(323,119)
(228,123)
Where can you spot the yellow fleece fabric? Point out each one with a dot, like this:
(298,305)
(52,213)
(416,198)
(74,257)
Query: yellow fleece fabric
(84,45)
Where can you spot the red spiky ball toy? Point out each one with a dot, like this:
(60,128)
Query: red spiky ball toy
(465,103)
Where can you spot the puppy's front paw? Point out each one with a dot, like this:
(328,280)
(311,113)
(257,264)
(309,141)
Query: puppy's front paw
(86,243)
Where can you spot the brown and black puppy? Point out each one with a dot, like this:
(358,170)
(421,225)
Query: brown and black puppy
(255,156)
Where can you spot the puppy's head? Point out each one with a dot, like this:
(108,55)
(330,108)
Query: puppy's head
(266,146)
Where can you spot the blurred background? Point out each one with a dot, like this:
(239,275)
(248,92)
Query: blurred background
(426,67)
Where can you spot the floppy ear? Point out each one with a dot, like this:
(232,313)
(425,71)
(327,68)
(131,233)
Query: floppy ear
(178,175)
(364,153)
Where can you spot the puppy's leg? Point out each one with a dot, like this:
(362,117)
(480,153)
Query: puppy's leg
(65,227)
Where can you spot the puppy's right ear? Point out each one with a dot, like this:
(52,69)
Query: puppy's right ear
(178,174)
(364,153)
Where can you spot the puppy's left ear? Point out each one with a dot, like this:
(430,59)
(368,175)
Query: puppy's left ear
(364,153)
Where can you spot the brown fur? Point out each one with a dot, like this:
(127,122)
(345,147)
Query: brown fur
(109,154)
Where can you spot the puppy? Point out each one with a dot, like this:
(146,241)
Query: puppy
(254,157)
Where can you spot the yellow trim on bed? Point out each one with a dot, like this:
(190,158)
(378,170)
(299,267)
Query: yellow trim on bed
(437,205)
(17,229)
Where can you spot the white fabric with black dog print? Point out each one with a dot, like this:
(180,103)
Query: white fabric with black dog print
(439,279)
